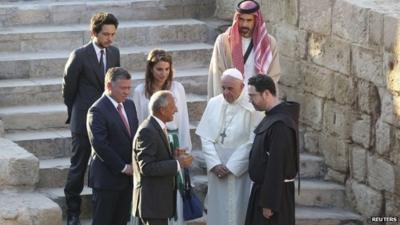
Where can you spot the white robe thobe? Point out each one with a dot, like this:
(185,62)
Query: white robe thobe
(221,60)
(227,198)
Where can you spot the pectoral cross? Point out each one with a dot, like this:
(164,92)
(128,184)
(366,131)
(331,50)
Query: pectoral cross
(223,136)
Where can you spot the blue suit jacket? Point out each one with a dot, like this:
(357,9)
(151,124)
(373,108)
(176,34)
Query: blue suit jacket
(111,144)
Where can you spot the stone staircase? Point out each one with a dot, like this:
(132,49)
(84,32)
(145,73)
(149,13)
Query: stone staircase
(36,38)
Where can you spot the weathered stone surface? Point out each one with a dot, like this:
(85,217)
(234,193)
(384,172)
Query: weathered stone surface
(311,141)
(17,166)
(225,9)
(381,174)
(350,22)
(383,137)
(312,109)
(362,130)
(392,70)
(329,52)
(338,119)
(280,11)
(290,74)
(368,100)
(358,163)
(317,80)
(375,29)
(390,107)
(392,204)
(344,89)
(335,152)
(291,41)
(391,38)
(28,209)
(1,128)
(315,16)
(336,176)
(368,201)
(368,65)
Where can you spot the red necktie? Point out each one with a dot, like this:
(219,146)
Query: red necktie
(119,108)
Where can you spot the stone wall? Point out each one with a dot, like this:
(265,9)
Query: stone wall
(340,60)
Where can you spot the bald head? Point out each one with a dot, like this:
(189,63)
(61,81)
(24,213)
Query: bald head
(232,87)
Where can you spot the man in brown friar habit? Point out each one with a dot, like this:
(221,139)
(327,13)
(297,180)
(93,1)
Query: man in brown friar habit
(274,157)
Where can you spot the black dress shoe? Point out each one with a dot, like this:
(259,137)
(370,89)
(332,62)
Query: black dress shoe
(73,220)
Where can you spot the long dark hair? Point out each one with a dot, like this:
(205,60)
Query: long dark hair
(154,57)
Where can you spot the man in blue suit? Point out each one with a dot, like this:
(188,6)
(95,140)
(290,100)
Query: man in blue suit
(112,124)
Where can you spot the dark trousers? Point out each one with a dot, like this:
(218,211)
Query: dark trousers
(75,180)
(111,207)
(145,221)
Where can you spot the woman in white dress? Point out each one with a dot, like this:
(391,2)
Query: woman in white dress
(159,76)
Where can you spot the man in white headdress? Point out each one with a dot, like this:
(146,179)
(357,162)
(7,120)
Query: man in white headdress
(226,131)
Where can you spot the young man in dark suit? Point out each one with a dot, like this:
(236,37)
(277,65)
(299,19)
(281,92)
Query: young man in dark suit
(154,166)
(111,124)
(82,85)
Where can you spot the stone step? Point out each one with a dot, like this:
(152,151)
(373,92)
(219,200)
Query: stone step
(56,143)
(71,12)
(28,208)
(311,166)
(313,216)
(44,144)
(129,34)
(58,196)
(51,64)
(44,90)
(47,116)
(53,173)
(319,193)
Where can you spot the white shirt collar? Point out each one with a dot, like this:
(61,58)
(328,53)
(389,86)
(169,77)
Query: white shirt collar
(161,123)
(115,103)
(97,49)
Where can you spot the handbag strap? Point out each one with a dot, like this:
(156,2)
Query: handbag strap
(188,185)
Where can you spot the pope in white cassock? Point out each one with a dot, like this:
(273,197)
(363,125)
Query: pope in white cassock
(226,131)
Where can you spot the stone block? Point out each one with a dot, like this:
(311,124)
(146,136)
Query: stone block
(390,107)
(383,137)
(338,119)
(281,11)
(392,204)
(291,94)
(317,80)
(311,141)
(362,130)
(375,29)
(335,176)
(368,65)
(329,52)
(290,73)
(60,14)
(368,100)
(225,9)
(344,89)
(312,109)
(381,174)
(390,37)
(17,166)
(355,31)
(358,165)
(335,152)
(1,128)
(292,42)
(368,201)
(28,209)
(391,71)
(315,16)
